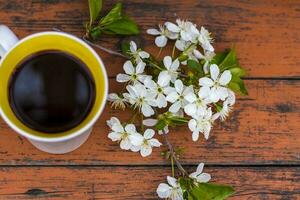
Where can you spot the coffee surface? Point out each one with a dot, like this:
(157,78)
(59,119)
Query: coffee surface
(51,92)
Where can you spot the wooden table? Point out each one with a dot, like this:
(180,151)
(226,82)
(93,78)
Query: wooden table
(257,150)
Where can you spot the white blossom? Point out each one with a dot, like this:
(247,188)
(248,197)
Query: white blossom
(177,97)
(205,39)
(121,134)
(172,190)
(217,83)
(160,89)
(171,67)
(145,142)
(133,74)
(227,106)
(117,101)
(199,176)
(196,103)
(187,30)
(141,98)
(201,122)
(162,35)
(138,54)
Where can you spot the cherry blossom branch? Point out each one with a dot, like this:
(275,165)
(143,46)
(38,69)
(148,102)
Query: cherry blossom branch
(173,154)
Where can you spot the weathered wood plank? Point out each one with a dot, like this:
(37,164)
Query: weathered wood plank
(108,182)
(264,129)
(266,33)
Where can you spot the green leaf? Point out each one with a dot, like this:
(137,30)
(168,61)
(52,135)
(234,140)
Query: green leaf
(208,191)
(230,61)
(219,57)
(161,124)
(125,47)
(236,71)
(123,26)
(195,65)
(95,9)
(95,33)
(237,85)
(114,14)
(175,120)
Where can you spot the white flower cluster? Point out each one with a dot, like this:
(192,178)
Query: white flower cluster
(201,101)
(130,139)
(173,191)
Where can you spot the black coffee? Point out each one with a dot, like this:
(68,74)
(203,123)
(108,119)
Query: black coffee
(51,92)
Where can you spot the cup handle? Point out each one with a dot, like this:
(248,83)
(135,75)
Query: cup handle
(7,39)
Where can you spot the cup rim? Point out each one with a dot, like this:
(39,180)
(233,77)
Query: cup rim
(91,122)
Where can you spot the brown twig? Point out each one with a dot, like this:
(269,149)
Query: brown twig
(173,154)
(84,38)
(104,48)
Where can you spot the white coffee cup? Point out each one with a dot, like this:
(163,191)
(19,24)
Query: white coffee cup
(13,51)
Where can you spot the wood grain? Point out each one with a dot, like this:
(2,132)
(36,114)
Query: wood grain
(257,150)
(109,182)
(263,129)
(266,33)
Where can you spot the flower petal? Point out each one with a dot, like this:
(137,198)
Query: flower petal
(186,36)
(167,62)
(190,109)
(128,67)
(180,45)
(146,150)
(214,71)
(174,108)
(133,47)
(163,190)
(112,121)
(190,97)
(203,178)
(172,181)
(144,54)
(140,67)
(125,144)
(130,128)
(114,136)
(223,93)
(149,133)
(204,92)
(172,27)
(154,142)
(179,86)
(117,127)
(225,77)
(214,95)
(198,54)
(192,124)
(153,31)
(135,148)
(121,78)
(150,84)
(136,139)
(206,82)
(175,65)
(164,79)
(172,97)
(200,168)
(150,122)
(161,41)
(161,101)
(147,110)
(195,136)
